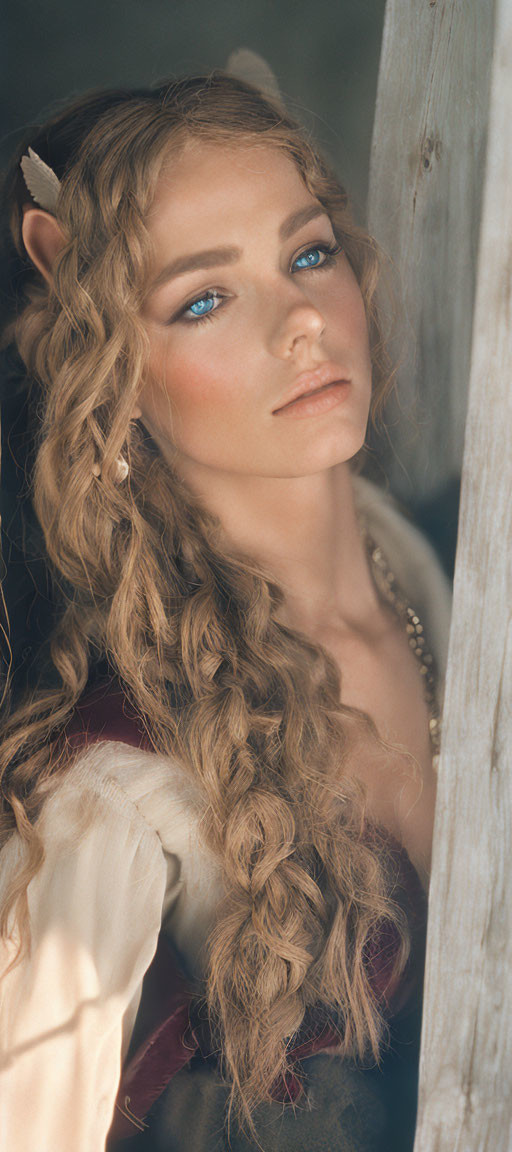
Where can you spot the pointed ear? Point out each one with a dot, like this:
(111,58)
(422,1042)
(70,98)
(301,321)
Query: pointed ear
(250,66)
(43,238)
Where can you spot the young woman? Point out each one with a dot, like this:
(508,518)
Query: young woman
(230,747)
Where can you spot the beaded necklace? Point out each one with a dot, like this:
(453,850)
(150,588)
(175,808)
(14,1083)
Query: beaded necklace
(387,584)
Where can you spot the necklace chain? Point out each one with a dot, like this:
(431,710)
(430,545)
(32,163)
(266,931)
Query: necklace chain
(387,584)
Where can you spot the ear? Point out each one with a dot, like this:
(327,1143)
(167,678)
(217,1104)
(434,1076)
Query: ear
(247,65)
(43,238)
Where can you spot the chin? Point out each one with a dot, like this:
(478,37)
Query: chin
(337,449)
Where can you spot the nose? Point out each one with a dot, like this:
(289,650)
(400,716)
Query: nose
(299,321)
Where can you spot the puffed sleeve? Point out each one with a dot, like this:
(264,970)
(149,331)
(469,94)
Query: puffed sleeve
(95,911)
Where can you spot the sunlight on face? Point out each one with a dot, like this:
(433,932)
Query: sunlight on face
(229,340)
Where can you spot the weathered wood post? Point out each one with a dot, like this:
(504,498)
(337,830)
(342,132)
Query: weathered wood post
(465,1101)
(424,206)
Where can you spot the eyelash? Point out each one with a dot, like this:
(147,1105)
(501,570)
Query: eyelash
(331,251)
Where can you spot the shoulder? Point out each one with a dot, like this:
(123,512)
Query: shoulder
(413,560)
(102,863)
(90,824)
(151,792)
(114,759)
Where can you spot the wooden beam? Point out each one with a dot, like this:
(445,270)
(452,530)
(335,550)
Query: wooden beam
(465,1101)
(426,168)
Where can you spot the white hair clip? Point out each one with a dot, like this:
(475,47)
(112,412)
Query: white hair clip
(44,186)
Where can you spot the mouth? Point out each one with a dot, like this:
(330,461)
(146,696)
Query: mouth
(313,389)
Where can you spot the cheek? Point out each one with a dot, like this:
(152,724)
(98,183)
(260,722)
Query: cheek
(344,310)
(199,386)
(356,312)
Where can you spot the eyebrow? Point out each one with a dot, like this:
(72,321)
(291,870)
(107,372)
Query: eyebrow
(212,257)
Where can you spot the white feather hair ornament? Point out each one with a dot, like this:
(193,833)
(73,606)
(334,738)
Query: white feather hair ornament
(44,186)
(247,65)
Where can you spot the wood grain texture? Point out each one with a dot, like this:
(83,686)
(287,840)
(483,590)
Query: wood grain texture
(465,1099)
(426,170)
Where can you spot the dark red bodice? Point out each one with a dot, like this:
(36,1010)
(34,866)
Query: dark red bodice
(172,1036)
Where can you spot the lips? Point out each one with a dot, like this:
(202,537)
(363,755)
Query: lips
(310,382)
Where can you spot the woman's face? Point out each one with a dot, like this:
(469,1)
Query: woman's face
(275,306)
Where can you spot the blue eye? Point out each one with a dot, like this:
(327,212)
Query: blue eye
(311,256)
(200,304)
(204,306)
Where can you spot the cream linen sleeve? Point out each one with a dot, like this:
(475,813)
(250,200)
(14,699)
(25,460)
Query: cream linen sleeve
(95,912)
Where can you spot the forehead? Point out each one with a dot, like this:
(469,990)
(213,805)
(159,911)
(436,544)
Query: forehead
(229,184)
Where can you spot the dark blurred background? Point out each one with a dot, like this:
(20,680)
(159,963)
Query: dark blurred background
(325,57)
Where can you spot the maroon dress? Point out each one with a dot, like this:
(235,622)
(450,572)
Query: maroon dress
(173,1034)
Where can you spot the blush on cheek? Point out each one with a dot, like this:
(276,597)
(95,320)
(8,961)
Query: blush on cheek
(194,393)
(200,384)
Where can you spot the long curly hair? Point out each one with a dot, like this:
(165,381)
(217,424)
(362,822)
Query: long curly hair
(251,708)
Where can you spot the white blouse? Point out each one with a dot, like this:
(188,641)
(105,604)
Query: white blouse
(123,859)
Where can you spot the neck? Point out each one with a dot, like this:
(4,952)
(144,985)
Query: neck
(305,532)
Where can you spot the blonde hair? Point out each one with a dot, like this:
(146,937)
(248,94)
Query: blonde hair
(249,706)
